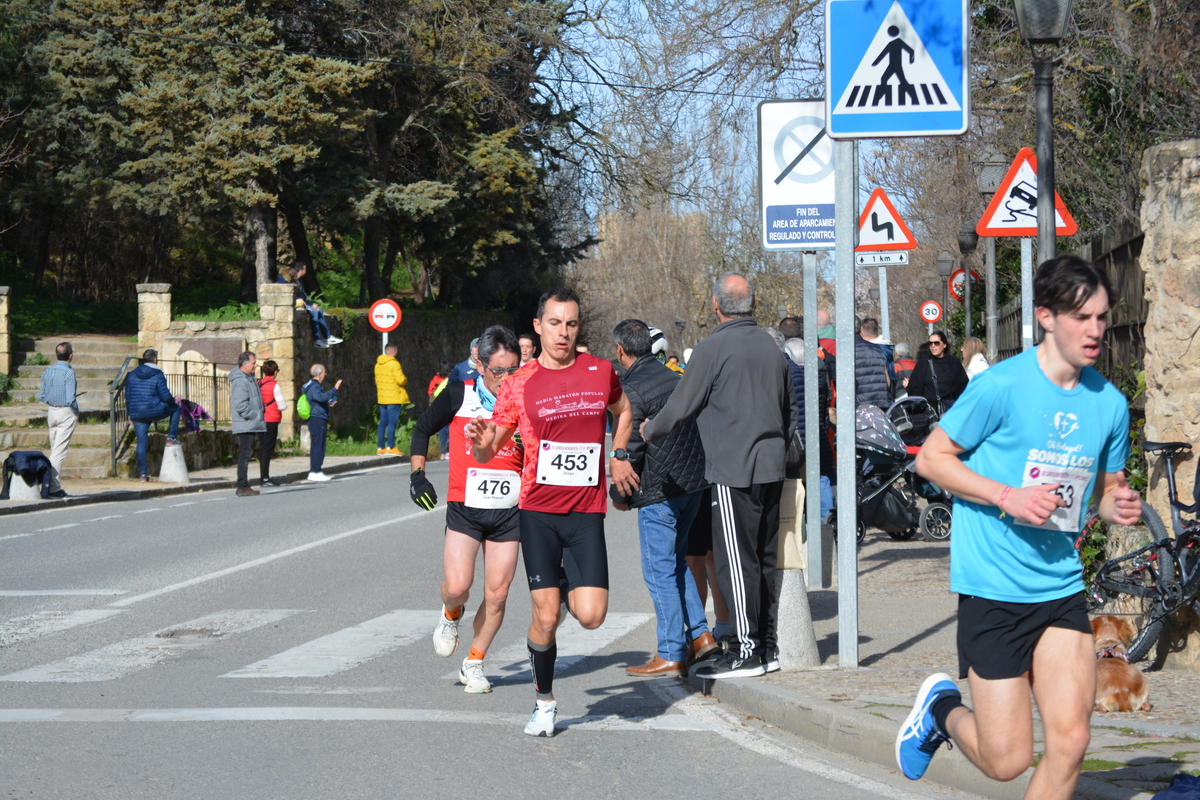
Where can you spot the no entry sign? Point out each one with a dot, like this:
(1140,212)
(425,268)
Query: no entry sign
(385,315)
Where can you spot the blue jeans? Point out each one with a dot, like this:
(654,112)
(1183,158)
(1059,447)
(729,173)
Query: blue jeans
(826,496)
(389,418)
(317,429)
(444,440)
(663,534)
(316,318)
(141,427)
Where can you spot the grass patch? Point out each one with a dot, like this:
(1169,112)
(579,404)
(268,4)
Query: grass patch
(37,360)
(1100,765)
(212,303)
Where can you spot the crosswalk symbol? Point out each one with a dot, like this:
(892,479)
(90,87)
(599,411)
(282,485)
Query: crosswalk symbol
(896,74)
(881,228)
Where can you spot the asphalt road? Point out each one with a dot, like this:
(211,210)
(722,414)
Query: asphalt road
(278,647)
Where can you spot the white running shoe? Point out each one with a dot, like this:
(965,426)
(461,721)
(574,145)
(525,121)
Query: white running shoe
(544,715)
(445,636)
(317,477)
(472,676)
(333,340)
(321,343)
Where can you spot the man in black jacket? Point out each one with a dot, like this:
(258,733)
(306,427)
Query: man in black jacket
(738,388)
(871,383)
(667,500)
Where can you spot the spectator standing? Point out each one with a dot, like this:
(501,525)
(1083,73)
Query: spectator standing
(436,386)
(147,400)
(319,403)
(673,364)
(58,391)
(870,332)
(973,360)
(391,393)
(667,500)
(247,410)
(871,384)
(528,348)
(739,389)
(940,379)
(467,370)
(316,317)
(826,332)
(795,351)
(274,405)
(902,369)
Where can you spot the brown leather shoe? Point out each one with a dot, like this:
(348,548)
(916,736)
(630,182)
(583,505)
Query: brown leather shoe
(702,646)
(247,492)
(657,668)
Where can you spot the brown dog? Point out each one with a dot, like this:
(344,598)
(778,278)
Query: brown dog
(1120,686)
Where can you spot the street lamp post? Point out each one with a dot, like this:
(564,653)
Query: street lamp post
(990,167)
(1044,22)
(945,266)
(967,241)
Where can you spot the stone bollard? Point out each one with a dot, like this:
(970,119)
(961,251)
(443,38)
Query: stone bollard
(794,632)
(174,467)
(20,491)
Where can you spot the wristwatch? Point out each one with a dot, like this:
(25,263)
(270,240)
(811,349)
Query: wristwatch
(620,454)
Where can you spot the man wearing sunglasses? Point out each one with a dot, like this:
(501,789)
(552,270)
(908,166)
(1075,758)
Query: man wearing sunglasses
(481,504)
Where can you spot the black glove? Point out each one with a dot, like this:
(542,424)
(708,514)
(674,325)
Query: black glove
(421,490)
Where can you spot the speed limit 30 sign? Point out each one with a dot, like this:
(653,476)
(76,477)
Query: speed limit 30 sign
(931,311)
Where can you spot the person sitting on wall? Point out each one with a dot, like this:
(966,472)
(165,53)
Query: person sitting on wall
(316,317)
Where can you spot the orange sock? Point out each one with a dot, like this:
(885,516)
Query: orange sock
(455,614)
(476,655)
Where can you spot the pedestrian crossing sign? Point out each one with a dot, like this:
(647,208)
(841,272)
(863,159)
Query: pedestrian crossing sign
(881,228)
(897,69)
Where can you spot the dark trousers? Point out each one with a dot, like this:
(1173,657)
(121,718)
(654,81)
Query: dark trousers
(745,539)
(266,449)
(245,450)
(316,435)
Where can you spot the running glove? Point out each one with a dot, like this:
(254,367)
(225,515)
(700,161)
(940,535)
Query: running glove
(421,490)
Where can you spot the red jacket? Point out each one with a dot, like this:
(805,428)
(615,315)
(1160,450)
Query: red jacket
(271,412)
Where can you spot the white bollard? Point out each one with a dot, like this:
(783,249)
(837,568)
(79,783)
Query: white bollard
(174,467)
(19,490)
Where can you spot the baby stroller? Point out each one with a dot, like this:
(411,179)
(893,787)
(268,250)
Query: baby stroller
(914,419)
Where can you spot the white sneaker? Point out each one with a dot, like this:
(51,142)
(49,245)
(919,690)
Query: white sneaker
(544,715)
(472,676)
(445,636)
(333,340)
(321,343)
(317,477)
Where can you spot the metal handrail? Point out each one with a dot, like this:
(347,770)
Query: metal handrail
(116,394)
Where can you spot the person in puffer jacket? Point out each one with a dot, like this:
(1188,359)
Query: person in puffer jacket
(871,383)
(668,498)
(392,395)
(795,351)
(147,400)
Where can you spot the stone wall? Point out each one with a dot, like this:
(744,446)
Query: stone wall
(1170,259)
(6,341)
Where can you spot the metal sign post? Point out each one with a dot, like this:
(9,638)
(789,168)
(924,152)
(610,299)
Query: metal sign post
(1026,293)
(818,577)
(883,306)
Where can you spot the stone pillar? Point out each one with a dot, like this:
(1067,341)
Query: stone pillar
(1170,259)
(277,307)
(154,313)
(5,333)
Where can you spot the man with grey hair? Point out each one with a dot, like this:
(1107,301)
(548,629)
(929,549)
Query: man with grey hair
(739,389)
(246,406)
(319,401)
(58,391)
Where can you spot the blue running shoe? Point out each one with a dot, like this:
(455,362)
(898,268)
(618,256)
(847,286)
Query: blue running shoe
(919,737)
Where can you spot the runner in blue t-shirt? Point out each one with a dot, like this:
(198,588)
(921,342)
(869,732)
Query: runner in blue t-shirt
(1024,449)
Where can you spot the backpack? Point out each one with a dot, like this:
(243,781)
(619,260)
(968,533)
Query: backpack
(303,409)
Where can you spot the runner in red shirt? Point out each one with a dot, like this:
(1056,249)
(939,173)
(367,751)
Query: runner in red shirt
(557,403)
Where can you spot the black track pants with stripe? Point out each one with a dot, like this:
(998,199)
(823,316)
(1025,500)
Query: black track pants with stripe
(745,541)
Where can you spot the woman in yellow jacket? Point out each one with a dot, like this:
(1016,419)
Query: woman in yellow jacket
(391,393)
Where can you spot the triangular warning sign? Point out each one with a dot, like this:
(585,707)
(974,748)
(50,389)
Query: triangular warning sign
(896,74)
(1013,210)
(881,228)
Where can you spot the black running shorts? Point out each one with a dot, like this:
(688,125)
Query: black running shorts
(484,524)
(574,539)
(700,535)
(996,639)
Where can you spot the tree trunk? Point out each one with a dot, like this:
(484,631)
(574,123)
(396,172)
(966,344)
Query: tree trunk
(373,234)
(389,263)
(259,248)
(43,249)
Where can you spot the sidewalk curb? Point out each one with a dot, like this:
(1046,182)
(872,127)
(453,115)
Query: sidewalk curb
(188,488)
(871,738)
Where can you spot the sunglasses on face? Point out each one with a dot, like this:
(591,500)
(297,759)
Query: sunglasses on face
(500,372)
(936,343)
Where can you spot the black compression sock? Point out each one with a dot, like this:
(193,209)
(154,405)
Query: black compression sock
(541,661)
(942,708)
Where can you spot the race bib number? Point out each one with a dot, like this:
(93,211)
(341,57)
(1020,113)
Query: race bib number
(568,464)
(492,488)
(1074,482)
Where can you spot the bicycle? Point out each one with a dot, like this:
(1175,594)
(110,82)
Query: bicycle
(1160,578)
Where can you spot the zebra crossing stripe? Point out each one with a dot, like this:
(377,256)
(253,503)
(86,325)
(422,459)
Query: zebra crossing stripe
(575,643)
(32,626)
(345,649)
(123,658)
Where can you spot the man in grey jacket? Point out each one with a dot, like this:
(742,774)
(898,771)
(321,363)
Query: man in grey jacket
(738,387)
(246,405)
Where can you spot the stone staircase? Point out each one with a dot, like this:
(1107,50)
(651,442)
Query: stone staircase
(23,419)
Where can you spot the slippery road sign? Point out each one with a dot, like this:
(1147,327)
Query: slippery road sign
(1013,210)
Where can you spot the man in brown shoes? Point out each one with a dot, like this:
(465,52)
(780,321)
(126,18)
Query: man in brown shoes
(667,499)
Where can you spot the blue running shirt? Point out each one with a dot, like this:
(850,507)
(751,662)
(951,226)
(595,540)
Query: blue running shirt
(1019,428)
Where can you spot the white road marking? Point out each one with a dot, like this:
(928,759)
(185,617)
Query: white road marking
(574,644)
(120,659)
(188,503)
(110,516)
(58,527)
(15,536)
(221,573)
(669,722)
(147,510)
(43,623)
(60,592)
(708,713)
(345,649)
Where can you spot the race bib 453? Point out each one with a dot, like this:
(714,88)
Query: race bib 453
(568,464)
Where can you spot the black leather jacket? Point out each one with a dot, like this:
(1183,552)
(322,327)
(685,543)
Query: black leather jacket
(673,466)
